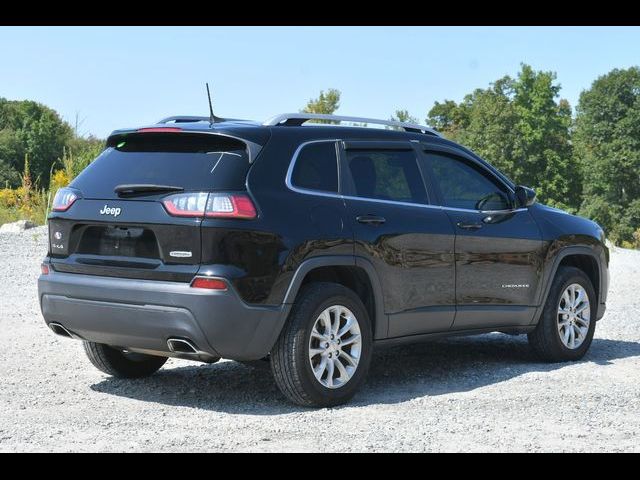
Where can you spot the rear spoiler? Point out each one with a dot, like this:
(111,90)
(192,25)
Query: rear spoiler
(253,149)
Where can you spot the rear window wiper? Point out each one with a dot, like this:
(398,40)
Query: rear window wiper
(142,188)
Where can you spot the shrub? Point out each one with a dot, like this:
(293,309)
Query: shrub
(58,180)
(73,163)
(25,202)
(8,198)
(636,238)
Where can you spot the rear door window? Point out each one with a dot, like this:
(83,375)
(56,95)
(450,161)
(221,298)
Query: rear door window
(386,175)
(195,162)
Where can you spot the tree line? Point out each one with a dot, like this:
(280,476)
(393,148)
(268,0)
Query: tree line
(39,152)
(585,162)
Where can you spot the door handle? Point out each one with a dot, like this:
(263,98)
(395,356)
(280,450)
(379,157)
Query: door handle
(371,219)
(469,226)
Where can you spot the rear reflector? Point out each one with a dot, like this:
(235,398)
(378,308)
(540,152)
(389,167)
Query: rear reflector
(159,130)
(44,268)
(209,283)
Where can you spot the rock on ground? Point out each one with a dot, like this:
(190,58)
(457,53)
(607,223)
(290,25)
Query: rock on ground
(16,227)
(485,393)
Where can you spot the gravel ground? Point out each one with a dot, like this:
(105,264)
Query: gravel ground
(482,393)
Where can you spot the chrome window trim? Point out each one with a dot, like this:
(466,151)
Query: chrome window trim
(431,206)
(393,202)
(488,212)
(319,193)
(292,164)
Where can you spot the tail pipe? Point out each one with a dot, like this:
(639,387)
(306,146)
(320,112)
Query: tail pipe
(181,345)
(60,330)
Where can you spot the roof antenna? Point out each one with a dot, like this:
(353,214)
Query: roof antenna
(212,117)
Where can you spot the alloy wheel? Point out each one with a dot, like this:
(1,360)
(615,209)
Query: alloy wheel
(574,316)
(335,346)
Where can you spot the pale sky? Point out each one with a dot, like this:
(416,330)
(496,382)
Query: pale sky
(115,77)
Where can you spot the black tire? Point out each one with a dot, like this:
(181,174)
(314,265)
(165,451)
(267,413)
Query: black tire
(290,357)
(120,364)
(545,339)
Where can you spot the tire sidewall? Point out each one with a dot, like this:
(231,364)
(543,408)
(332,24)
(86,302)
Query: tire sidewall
(113,361)
(570,276)
(321,394)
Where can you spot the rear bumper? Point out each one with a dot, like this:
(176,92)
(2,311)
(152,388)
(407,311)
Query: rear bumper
(143,314)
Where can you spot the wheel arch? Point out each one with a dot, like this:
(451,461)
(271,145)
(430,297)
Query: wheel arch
(583,258)
(355,273)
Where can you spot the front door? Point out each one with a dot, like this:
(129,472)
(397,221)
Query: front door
(409,242)
(498,246)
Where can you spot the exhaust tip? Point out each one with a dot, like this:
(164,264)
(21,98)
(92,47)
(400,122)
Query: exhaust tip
(60,330)
(180,345)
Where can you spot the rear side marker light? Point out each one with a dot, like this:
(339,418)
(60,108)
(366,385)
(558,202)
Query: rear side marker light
(209,283)
(214,205)
(44,268)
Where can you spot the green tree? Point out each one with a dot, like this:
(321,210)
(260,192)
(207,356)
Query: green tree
(30,129)
(10,151)
(326,103)
(607,148)
(521,127)
(403,116)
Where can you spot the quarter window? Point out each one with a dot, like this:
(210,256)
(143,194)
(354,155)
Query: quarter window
(316,167)
(386,175)
(463,185)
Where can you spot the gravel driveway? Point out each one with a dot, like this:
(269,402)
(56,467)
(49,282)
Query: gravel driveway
(481,393)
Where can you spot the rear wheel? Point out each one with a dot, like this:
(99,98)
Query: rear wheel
(323,353)
(118,363)
(568,321)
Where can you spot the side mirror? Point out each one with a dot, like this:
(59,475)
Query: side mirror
(525,196)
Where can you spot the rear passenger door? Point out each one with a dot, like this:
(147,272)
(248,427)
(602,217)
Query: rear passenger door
(409,242)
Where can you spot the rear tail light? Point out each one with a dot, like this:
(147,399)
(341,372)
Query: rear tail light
(215,205)
(186,204)
(44,268)
(209,283)
(230,206)
(63,199)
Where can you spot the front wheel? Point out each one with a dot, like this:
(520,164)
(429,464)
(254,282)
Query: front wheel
(323,353)
(568,321)
(118,363)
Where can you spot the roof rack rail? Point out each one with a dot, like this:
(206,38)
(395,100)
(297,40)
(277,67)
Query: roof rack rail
(194,119)
(184,119)
(297,119)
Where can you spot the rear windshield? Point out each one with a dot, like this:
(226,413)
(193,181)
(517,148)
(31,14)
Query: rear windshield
(191,161)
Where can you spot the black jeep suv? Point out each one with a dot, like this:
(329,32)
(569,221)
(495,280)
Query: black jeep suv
(307,245)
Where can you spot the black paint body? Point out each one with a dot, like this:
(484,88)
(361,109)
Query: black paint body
(426,274)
